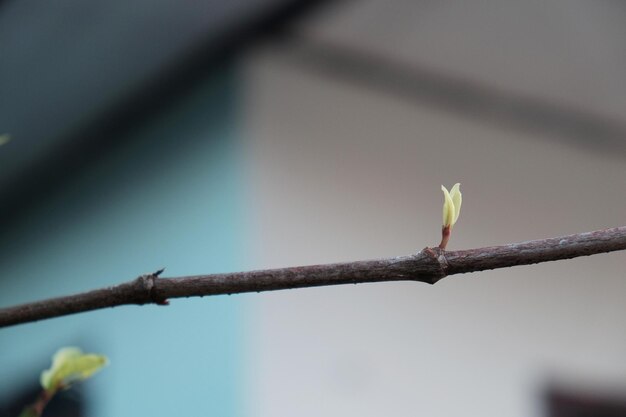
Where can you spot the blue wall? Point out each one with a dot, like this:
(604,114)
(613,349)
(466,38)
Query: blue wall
(170,198)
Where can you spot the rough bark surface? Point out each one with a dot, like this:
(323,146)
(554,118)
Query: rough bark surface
(429,266)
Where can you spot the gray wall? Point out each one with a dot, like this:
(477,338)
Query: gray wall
(340,172)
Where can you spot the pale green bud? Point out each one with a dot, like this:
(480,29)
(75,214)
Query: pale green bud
(451,205)
(69,365)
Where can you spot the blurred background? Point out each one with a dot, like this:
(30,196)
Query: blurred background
(222,136)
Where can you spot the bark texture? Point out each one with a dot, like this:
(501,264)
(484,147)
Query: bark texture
(429,266)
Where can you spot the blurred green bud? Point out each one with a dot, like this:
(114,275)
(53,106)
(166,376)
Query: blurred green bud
(69,365)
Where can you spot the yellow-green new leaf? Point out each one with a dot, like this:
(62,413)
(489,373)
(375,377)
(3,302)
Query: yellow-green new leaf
(451,205)
(457,199)
(448,207)
(70,364)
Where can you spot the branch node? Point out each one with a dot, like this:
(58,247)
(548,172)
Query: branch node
(149,284)
(439,256)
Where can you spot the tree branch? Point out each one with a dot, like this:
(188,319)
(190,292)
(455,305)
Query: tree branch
(429,266)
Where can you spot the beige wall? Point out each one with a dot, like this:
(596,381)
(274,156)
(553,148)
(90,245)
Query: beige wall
(340,173)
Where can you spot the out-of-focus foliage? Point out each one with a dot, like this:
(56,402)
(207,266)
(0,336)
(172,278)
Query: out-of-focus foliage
(70,364)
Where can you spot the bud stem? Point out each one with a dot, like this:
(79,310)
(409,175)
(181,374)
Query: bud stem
(445,236)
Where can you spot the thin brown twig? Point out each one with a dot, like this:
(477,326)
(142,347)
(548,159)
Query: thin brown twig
(429,266)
